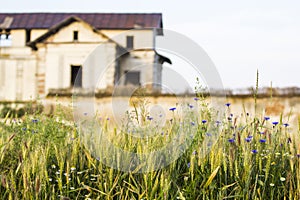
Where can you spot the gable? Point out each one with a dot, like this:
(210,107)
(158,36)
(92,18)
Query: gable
(85,34)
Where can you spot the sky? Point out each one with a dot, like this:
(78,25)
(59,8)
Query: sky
(240,37)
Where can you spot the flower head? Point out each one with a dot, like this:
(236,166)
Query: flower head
(254,151)
(274,123)
(286,124)
(262,140)
(248,139)
(196,99)
(227,104)
(204,121)
(231,140)
(267,118)
(172,109)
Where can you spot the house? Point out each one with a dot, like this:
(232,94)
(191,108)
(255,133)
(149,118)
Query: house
(45,52)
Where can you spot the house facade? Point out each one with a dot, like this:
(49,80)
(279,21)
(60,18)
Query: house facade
(42,53)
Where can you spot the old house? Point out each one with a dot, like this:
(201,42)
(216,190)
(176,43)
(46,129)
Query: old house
(44,52)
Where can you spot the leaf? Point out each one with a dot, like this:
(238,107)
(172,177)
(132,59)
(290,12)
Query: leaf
(211,177)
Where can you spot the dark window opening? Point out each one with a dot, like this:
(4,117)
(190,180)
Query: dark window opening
(75,35)
(28,35)
(76,76)
(132,78)
(129,42)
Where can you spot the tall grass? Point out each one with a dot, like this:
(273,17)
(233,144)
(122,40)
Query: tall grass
(43,157)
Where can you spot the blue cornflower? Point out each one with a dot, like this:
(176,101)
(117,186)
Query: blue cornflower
(227,104)
(194,152)
(208,134)
(204,121)
(172,109)
(267,118)
(286,124)
(191,106)
(196,98)
(254,151)
(193,123)
(149,118)
(248,139)
(24,129)
(261,132)
(262,140)
(189,165)
(35,120)
(274,123)
(231,140)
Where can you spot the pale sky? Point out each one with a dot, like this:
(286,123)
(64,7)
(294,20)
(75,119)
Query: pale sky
(239,36)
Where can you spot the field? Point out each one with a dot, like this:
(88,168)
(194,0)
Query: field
(244,154)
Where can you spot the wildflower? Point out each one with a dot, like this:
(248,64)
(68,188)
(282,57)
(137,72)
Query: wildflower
(50,179)
(73,168)
(261,132)
(227,104)
(172,109)
(194,152)
(204,121)
(262,140)
(282,179)
(231,140)
(98,158)
(254,151)
(272,184)
(218,122)
(193,123)
(286,124)
(108,119)
(191,106)
(53,166)
(274,123)
(196,99)
(35,120)
(72,188)
(24,129)
(267,118)
(248,139)
(208,134)
(149,118)
(189,165)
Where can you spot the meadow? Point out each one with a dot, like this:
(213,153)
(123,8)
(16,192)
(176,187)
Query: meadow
(239,156)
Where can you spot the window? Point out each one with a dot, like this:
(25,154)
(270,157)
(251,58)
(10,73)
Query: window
(129,42)
(76,76)
(75,35)
(132,78)
(5,38)
(28,35)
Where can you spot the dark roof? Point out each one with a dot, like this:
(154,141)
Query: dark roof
(97,20)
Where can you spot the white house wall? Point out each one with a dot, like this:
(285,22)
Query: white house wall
(35,33)
(60,55)
(141,38)
(139,61)
(17,79)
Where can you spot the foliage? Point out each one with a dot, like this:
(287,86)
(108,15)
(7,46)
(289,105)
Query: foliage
(42,157)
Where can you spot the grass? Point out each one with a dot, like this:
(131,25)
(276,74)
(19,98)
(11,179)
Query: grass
(45,157)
